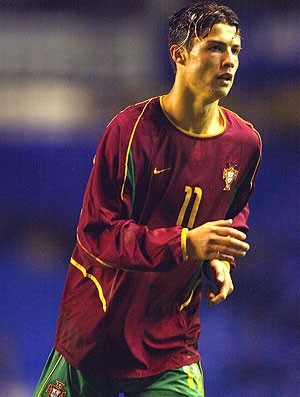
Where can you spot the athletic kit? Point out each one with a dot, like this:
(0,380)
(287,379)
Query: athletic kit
(130,307)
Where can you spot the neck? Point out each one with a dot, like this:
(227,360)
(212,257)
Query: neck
(191,113)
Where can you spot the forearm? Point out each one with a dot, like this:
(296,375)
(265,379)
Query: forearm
(129,246)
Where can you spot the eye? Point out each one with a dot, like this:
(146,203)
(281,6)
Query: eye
(216,48)
(235,50)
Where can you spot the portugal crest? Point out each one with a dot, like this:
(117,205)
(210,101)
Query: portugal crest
(56,391)
(230,174)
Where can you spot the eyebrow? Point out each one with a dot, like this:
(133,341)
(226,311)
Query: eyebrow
(223,43)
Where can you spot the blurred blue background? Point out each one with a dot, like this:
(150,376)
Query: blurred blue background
(66,68)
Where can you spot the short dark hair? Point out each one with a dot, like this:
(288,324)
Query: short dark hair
(197,20)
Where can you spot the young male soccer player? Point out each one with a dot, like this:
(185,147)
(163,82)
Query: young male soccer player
(166,200)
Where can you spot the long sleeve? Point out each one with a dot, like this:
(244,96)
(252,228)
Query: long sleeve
(107,236)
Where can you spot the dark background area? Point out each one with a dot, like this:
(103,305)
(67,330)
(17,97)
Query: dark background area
(66,69)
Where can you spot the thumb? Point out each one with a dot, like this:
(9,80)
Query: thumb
(220,277)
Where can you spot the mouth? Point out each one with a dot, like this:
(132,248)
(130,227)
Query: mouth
(225,78)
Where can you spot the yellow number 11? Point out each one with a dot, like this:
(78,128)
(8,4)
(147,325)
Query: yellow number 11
(188,195)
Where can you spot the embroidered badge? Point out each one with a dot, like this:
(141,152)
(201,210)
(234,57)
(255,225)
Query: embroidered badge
(230,174)
(56,391)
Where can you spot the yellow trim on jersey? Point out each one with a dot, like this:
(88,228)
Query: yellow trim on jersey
(129,146)
(187,302)
(49,376)
(183,243)
(227,264)
(93,256)
(92,278)
(222,129)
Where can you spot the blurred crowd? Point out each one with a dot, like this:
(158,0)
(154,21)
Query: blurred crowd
(66,68)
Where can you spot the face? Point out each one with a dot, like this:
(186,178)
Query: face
(209,68)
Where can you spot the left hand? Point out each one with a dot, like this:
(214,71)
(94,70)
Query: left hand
(220,276)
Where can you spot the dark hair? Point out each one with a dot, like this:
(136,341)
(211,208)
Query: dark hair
(197,20)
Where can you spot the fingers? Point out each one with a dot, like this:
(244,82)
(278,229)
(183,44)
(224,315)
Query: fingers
(230,245)
(230,232)
(216,298)
(227,241)
(222,222)
(226,248)
(224,285)
(216,240)
(223,257)
(223,228)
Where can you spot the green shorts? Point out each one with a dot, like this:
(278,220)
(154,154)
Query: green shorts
(59,379)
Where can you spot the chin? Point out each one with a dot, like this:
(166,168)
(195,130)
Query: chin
(221,94)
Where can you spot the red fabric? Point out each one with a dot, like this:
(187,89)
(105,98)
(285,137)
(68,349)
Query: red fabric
(145,170)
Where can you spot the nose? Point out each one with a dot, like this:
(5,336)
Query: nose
(229,60)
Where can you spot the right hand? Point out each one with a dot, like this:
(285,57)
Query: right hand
(216,240)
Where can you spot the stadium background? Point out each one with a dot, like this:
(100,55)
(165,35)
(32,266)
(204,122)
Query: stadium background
(66,68)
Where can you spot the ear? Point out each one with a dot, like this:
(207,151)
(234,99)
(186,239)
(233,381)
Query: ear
(178,53)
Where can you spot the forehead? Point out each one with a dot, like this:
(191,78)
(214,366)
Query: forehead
(224,33)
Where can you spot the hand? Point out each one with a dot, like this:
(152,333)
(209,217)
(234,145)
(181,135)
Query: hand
(216,240)
(219,274)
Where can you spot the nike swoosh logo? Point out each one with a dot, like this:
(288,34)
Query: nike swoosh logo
(156,171)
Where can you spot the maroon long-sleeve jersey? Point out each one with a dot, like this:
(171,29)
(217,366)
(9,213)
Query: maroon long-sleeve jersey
(130,303)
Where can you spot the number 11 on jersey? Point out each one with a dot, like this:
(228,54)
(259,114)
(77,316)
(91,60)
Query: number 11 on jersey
(188,196)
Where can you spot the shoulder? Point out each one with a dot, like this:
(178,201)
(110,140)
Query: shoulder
(134,113)
(122,130)
(242,127)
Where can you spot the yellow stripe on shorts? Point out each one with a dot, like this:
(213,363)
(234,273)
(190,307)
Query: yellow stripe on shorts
(49,376)
(198,378)
(187,370)
(195,381)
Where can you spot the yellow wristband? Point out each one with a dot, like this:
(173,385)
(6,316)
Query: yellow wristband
(227,264)
(183,243)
